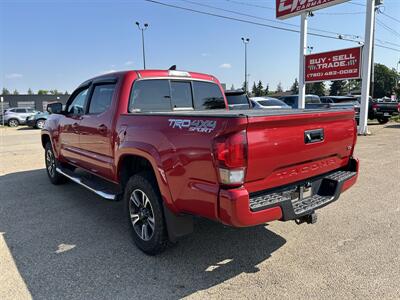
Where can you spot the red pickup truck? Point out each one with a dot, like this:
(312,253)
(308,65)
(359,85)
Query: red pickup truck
(165,142)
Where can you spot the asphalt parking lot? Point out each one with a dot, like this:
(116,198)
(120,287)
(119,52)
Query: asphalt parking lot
(65,242)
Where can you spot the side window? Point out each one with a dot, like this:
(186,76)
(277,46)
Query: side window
(150,95)
(289,101)
(312,99)
(101,98)
(76,107)
(207,96)
(181,95)
(20,110)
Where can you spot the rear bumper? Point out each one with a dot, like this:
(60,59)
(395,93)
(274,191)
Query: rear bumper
(385,113)
(239,208)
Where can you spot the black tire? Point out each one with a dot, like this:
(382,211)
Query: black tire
(383,120)
(51,164)
(145,214)
(40,123)
(13,123)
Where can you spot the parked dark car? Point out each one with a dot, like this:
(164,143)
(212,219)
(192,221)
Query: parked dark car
(343,102)
(312,101)
(237,99)
(337,99)
(380,110)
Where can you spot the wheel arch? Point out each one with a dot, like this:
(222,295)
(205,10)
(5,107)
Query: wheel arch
(177,225)
(45,138)
(130,164)
(13,118)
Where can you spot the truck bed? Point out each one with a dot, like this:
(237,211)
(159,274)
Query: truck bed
(246,112)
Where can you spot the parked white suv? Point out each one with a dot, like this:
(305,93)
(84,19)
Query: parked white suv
(17,115)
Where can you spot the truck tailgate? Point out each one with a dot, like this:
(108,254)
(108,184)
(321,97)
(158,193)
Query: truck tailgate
(284,149)
(389,107)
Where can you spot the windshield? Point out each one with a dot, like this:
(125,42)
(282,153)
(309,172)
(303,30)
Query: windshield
(237,99)
(272,102)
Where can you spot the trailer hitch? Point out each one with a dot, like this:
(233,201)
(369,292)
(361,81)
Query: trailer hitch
(309,219)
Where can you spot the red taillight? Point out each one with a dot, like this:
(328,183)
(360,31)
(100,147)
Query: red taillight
(230,154)
(231,151)
(398,107)
(374,106)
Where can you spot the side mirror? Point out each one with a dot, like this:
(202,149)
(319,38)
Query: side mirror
(54,108)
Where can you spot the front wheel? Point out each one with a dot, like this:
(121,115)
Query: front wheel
(40,124)
(383,120)
(145,213)
(51,165)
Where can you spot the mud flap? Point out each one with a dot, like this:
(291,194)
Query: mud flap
(177,225)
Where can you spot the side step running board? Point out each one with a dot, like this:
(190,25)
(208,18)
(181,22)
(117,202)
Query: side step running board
(104,194)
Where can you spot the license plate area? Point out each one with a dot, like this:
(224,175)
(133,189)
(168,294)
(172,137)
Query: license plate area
(301,192)
(386,114)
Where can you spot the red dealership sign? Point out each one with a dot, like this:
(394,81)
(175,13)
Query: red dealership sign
(290,8)
(334,65)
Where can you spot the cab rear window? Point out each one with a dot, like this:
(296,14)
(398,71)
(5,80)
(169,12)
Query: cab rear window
(160,95)
(207,96)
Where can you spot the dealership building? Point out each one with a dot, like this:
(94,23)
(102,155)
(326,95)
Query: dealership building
(37,102)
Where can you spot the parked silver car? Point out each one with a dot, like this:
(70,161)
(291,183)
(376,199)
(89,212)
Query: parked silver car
(17,115)
(268,103)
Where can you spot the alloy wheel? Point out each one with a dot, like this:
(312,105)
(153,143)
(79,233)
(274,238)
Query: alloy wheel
(142,215)
(50,163)
(40,124)
(13,123)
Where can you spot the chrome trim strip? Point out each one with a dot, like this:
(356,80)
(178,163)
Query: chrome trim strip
(175,78)
(78,181)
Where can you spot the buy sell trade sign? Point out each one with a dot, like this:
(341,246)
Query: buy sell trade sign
(333,65)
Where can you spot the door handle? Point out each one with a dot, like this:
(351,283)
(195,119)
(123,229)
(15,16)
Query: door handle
(313,136)
(75,126)
(102,129)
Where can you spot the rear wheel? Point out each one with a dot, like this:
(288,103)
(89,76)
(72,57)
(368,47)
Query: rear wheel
(145,213)
(40,124)
(51,165)
(383,120)
(13,122)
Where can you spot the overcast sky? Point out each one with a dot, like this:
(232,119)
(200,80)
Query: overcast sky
(59,44)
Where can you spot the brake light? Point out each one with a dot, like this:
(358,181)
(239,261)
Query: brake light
(374,106)
(230,155)
(398,107)
(178,73)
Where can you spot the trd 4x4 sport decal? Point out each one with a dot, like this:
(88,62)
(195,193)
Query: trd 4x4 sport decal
(206,126)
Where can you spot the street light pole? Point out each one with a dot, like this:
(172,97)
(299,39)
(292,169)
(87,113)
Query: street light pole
(303,52)
(366,67)
(245,42)
(398,75)
(142,29)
